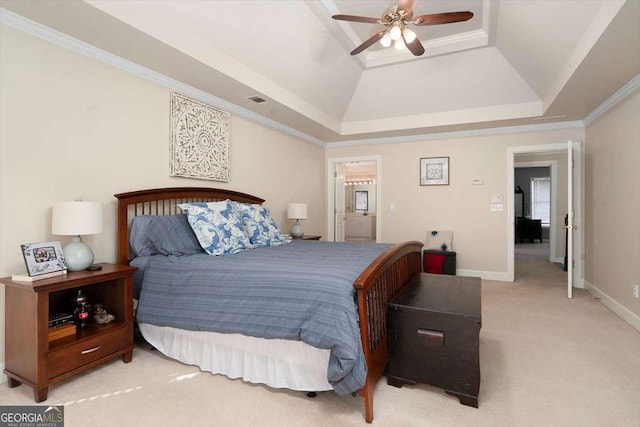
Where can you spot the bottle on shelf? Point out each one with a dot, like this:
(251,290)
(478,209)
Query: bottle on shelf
(81,311)
(82,316)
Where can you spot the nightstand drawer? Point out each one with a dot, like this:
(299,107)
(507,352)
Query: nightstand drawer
(77,355)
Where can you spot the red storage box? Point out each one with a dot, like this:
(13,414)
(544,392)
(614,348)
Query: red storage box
(439,262)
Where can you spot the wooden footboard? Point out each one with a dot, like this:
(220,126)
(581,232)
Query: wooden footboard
(375,287)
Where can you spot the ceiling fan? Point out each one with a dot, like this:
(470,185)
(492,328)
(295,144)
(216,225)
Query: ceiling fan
(396,18)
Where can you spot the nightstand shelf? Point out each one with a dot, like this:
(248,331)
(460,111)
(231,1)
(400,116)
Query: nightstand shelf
(34,360)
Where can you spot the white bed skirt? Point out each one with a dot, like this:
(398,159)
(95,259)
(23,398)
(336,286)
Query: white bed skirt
(275,362)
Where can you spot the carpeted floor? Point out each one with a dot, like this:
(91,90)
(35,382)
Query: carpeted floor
(545,361)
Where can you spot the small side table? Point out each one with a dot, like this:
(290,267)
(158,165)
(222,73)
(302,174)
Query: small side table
(37,359)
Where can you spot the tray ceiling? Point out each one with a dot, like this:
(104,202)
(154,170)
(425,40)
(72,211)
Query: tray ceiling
(513,63)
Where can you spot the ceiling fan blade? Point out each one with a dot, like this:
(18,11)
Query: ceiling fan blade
(370,41)
(414,47)
(352,18)
(406,5)
(442,18)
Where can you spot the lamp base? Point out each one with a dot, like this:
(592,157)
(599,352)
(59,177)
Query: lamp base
(297,231)
(77,255)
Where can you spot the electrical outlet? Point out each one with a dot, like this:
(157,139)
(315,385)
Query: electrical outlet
(636,291)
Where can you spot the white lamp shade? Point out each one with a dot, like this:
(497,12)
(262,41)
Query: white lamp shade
(297,211)
(76,218)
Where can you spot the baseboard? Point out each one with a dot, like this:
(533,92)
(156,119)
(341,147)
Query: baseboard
(620,310)
(486,275)
(558,260)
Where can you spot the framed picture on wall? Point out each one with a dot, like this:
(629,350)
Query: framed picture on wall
(362,201)
(434,171)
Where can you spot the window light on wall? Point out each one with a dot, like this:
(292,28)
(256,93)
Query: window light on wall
(541,199)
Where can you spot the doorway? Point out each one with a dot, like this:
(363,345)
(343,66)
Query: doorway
(564,161)
(354,196)
(539,205)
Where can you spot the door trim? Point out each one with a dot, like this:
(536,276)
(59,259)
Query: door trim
(331,168)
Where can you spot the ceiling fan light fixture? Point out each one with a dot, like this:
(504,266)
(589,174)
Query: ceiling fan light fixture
(386,40)
(408,35)
(395,33)
(396,18)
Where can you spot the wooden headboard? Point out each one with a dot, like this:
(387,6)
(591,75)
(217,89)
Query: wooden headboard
(165,201)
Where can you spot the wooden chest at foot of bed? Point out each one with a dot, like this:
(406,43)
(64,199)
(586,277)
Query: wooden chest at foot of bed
(434,328)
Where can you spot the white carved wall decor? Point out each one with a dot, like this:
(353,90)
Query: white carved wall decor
(199,140)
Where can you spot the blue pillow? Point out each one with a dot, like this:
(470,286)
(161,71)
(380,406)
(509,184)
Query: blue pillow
(259,226)
(166,235)
(217,227)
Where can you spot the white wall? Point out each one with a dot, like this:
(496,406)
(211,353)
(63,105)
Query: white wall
(480,236)
(74,127)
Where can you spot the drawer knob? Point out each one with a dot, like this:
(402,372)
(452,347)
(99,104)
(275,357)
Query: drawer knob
(91,350)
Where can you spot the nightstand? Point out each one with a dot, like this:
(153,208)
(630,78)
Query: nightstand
(308,237)
(31,358)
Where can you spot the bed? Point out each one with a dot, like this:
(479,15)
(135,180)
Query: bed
(375,283)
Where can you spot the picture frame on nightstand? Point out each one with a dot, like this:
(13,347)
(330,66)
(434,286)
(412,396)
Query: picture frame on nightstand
(43,258)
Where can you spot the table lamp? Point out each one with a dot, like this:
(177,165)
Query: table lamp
(76,219)
(297,211)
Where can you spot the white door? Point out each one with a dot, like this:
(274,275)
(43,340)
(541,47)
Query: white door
(573,227)
(339,214)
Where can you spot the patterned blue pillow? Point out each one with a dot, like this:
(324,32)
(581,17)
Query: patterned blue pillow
(259,225)
(217,227)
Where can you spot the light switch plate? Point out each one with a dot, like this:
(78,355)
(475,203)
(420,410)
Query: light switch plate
(496,198)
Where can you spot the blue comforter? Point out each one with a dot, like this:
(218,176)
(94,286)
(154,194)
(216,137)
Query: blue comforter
(299,291)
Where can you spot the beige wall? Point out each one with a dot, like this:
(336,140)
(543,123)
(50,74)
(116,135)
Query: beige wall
(480,236)
(73,127)
(612,203)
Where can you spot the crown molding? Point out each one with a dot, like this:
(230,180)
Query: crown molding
(576,124)
(67,42)
(613,100)
(62,40)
